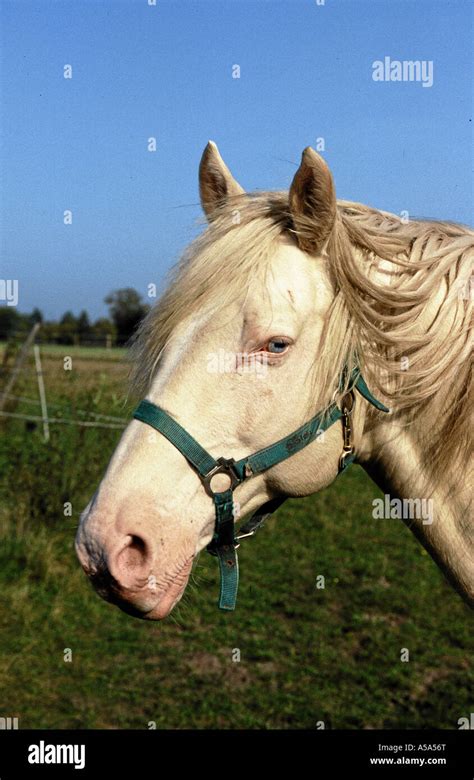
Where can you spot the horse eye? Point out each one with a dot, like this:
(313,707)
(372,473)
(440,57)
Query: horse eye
(277,346)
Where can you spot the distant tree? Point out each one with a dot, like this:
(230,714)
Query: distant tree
(67,329)
(102,328)
(126,310)
(9,321)
(50,332)
(83,325)
(68,318)
(36,316)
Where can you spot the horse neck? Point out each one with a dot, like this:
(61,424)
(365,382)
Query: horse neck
(390,452)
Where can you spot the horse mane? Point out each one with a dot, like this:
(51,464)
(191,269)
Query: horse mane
(402,308)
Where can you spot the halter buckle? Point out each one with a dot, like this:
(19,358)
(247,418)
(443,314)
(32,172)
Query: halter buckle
(347,405)
(224,466)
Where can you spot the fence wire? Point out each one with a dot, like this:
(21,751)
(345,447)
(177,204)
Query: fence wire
(62,421)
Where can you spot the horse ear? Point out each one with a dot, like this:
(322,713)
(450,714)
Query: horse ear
(312,202)
(216,183)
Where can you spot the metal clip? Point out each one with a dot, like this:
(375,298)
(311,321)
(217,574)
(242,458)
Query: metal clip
(347,405)
(343,458)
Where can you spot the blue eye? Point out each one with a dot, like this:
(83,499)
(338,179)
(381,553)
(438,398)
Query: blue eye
(277,346)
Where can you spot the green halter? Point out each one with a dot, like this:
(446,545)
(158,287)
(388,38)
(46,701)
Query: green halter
(224,542)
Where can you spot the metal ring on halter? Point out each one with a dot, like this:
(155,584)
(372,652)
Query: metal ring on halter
(225,466)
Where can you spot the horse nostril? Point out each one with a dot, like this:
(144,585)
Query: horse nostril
(132,562)
(135,554)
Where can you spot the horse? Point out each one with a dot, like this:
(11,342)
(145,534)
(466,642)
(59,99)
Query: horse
(280,324)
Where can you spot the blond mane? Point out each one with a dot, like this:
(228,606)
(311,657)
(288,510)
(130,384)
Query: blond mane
(409,329)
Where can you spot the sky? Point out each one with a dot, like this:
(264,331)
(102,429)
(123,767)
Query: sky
(165,70)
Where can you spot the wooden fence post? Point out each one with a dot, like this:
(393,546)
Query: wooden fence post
(20,359)
(42,394)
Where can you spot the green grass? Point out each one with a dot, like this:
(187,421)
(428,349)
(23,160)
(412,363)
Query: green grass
(84,353)
(307,654)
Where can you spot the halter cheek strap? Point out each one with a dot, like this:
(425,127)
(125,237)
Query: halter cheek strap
(224,542)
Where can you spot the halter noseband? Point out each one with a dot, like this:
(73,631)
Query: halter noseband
(224,542)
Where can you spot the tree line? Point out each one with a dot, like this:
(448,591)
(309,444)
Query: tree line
(126,310)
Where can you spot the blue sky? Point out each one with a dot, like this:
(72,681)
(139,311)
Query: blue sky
(166,71)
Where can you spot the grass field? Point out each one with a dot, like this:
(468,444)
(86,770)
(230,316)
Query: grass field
(307,655)
(83,353)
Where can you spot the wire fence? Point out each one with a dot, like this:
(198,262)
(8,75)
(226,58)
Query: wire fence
(96,415)
(69,338)
(62,421)
(22,368)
